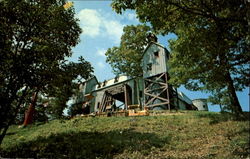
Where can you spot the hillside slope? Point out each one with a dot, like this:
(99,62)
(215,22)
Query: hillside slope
(173,135)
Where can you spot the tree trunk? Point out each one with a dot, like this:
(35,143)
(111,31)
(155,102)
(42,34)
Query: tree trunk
(3,133)
(236,108)
(29,114)
(12,118)
(221,108)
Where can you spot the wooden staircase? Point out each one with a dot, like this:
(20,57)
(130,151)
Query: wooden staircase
(107,102)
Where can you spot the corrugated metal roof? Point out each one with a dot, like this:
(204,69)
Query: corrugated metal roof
(113,82)
(183,97)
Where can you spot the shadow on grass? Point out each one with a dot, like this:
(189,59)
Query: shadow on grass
(86,145)
(224,116)
(10,133)
(241,144)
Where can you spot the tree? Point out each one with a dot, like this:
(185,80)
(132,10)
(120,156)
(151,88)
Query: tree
(221,98)
(211,50)
(75,109)
(36,36)
(58,92)
(68,79)
(126,58)
(40,113)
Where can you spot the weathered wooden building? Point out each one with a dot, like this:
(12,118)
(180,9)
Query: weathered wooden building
(151,91)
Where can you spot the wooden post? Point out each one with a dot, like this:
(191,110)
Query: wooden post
(30,112)
(166,77)
(178,103)
(138,92)
(126,97)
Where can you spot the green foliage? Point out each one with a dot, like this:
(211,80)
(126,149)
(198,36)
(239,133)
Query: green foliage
(75,109)
(175,135)
(211,51)
(221,98)
(40,114)
(63,87)
(126,59)
(36,36)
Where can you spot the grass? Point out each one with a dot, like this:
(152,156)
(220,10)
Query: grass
(174,135)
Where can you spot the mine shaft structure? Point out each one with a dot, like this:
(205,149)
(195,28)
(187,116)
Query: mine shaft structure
(155,76)
(149,92)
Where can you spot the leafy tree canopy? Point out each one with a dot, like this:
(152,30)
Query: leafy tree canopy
(222,98)
(63,87)
(212,46)
(36,36)
(126,58)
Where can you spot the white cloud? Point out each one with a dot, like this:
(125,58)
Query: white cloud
(130,17)
(114,30)
(100,65)
(90,21)
(95,23)
(101,52)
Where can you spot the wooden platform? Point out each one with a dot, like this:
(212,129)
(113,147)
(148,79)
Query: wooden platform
(138,113)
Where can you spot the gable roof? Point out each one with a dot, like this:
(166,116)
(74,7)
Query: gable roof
(112,84)
(93,77)
(151,43)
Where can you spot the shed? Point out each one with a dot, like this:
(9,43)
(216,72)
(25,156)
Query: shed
(201,104)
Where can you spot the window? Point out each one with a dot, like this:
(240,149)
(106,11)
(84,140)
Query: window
(149,67)
(156,53)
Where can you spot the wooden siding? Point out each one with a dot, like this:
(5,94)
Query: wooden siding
(201,104)
(90,85)
(154,64)
(154,60)
(98,99)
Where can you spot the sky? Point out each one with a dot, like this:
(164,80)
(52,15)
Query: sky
(102,29)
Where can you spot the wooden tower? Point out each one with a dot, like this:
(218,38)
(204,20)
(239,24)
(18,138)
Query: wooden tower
(155,76)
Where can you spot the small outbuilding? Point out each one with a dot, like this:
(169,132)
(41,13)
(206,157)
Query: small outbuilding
(201,104)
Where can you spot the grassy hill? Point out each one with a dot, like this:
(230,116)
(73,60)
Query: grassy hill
(172,135)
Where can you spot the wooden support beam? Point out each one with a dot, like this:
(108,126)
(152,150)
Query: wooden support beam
(158,94)
(107,100)
(103,101)
(127,97)
(156,97)
(153,81)
(157,104)
(154,89)
(166,77)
